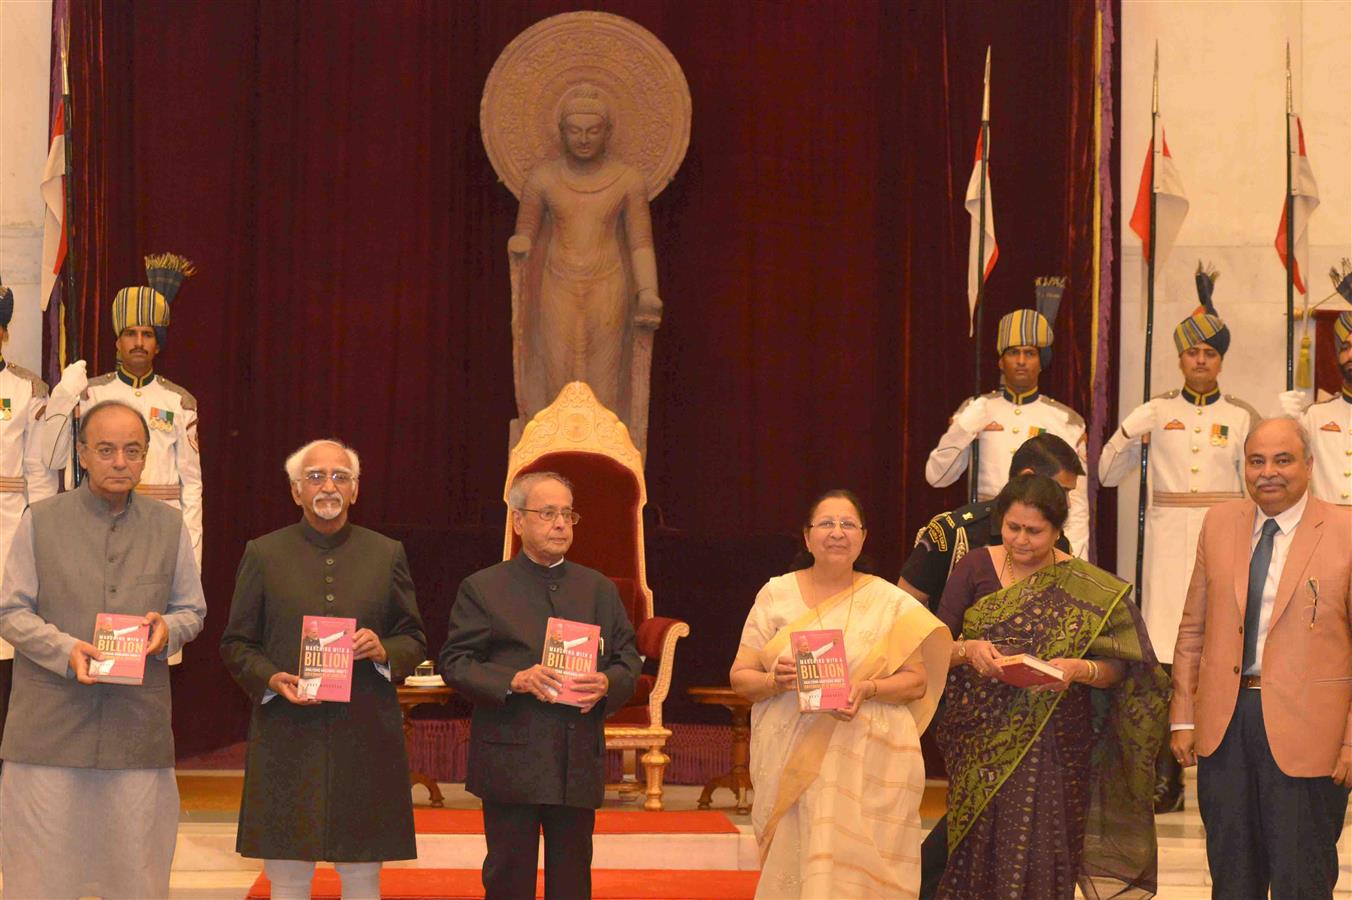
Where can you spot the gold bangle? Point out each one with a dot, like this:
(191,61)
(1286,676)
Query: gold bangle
(875,688)
(1093,671)
(774,685)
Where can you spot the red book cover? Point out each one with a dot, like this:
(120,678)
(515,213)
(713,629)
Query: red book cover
(1022,670)
(326,658)
(122,641)
(571,648)
(823,672)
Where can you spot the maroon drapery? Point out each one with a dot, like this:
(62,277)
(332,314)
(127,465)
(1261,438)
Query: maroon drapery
(321,162)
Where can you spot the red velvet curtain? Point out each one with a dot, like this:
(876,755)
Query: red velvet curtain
(322,164)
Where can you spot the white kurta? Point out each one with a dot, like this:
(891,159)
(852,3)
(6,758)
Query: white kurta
(107,833)
(1330,428)
(24,479)
(173,470)
(1196,461)
(1013,421)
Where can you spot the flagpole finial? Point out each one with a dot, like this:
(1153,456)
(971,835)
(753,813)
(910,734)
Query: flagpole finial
(65,54)
(1155,84)
(986,92)
(1290,106)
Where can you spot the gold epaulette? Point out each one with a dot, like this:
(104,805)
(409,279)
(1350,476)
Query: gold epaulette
(1072,417)
(39,386)
(1254,415)
(187,400)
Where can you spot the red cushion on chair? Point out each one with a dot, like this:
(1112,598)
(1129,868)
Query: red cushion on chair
(651,634)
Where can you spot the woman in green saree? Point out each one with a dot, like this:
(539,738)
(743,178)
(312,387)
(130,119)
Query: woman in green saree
(837,802)
(1049,787)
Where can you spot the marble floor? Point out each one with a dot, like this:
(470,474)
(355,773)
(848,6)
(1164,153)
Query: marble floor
(207,868)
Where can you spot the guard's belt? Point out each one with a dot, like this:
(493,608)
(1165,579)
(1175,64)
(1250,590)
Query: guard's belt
(13,485)
(161,491)
(1191,499)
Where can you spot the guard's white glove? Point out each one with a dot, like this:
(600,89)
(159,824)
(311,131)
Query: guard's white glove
(1140,420)
(974,416)
(1292,403)
(73,379)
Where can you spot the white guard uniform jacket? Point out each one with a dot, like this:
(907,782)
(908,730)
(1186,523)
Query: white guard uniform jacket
(1329,425)
(23,477)
(1196,461)
(1014,419)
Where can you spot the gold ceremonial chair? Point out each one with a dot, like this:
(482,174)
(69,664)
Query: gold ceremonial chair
(587,444)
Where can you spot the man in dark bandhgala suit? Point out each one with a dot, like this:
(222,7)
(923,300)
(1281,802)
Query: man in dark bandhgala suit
(1263,676)
(537,764)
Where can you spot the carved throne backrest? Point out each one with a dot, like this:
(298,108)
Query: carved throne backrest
(587,444)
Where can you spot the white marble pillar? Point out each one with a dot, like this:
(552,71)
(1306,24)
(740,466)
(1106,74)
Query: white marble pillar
(25,60)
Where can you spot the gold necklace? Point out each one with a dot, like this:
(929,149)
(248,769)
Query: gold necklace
(1008,568)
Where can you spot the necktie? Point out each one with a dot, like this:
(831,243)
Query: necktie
(1253,609)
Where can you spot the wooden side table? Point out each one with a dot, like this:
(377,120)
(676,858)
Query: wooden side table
(410,697)
(739,779)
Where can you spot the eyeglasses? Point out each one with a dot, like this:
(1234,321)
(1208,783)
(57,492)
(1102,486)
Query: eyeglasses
(849,526)
(551,513)
(341,477)
(132,453)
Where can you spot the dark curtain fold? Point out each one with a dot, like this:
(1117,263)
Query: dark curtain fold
(321,162)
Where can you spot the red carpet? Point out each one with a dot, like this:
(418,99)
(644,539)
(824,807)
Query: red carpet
(607,884)
(608,821)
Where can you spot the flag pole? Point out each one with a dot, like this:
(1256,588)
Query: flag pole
(1156,151)
(1290,235)
(974,468)
(74,309)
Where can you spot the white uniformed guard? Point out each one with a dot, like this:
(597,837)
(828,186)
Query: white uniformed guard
(23,477)
(173,468)
(1196,440)
(1329,425)
(1004,419)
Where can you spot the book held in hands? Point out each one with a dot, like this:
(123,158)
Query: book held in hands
(823,672)
(1022,670)
(326,659)
(122,641)
(571,649)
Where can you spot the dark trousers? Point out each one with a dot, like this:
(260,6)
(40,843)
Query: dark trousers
(933,859)
(512,831)
(1263,827)
(6,681)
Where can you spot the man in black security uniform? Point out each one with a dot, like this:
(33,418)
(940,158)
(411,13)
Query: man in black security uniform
(536,763)
(947,538)
(950,535)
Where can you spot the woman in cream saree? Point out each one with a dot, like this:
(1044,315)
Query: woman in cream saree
(837,795)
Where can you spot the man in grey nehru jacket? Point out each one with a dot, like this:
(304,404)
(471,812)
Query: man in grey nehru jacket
(87,791)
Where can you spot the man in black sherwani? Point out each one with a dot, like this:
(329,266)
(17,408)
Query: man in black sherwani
(535,763)
(324,781)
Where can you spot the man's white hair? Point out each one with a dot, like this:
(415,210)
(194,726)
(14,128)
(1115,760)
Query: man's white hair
(295,463)
(522,485)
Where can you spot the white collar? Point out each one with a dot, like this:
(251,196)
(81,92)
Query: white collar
(1286,520)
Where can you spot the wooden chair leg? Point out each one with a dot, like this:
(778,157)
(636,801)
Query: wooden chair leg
(654,765)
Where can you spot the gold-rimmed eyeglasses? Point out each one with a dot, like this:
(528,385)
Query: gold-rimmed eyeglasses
(552,513)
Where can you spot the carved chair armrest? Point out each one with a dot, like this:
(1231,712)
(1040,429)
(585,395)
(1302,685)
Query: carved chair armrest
(657,637)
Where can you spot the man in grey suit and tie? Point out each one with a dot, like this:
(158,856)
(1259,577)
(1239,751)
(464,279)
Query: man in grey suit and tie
(1263,676)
